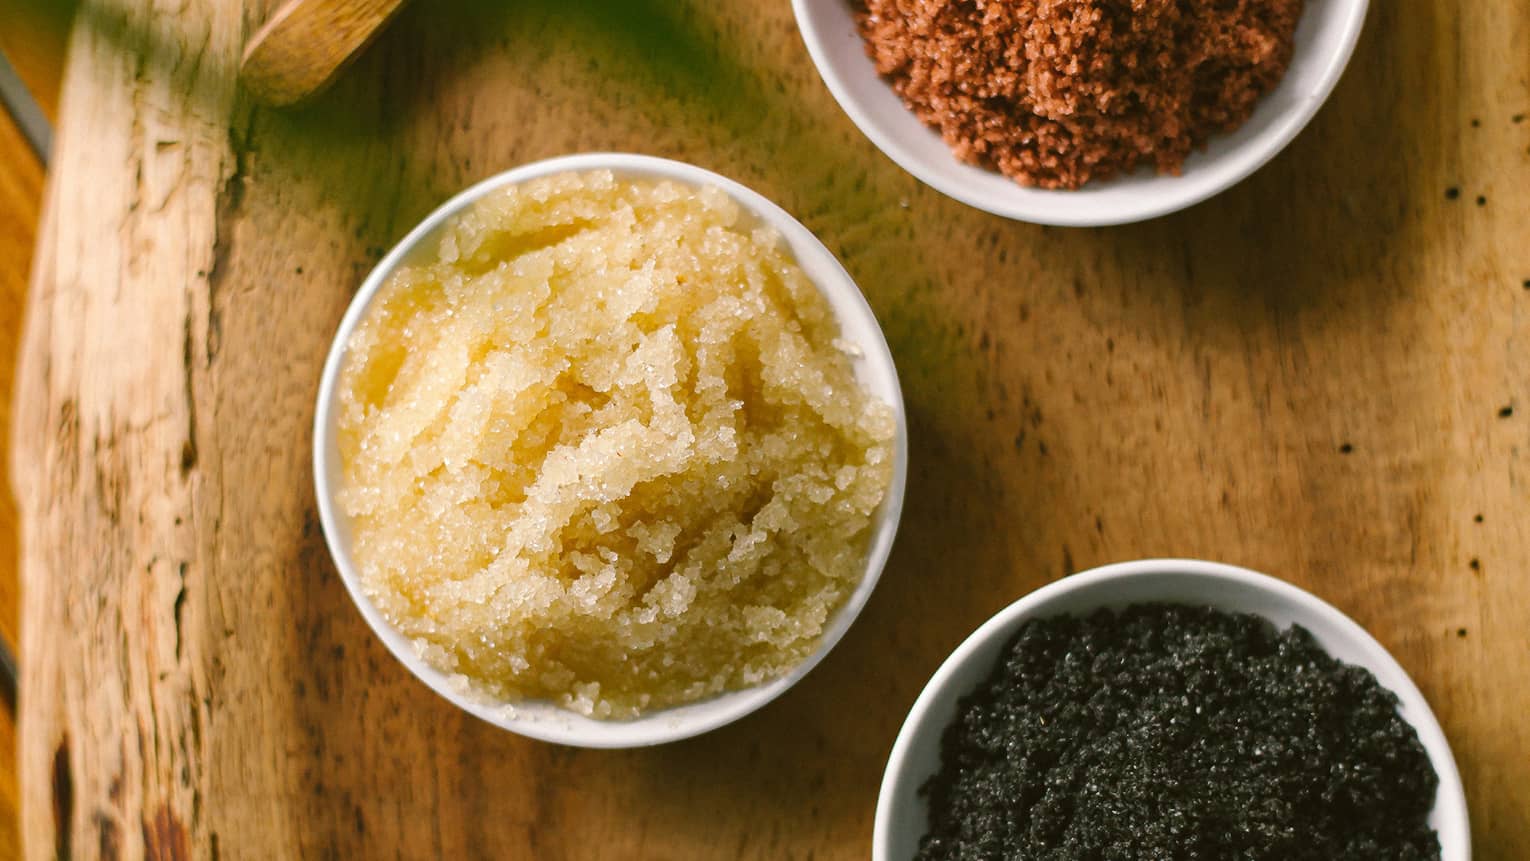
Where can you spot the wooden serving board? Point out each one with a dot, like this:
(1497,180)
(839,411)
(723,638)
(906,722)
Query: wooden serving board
(1323,374)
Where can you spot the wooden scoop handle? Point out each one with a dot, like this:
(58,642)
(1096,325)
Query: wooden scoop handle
(306,42)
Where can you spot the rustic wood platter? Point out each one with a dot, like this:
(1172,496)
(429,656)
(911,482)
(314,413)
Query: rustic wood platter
(1321,374)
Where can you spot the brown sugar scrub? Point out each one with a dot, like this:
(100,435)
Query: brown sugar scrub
(606,449)
(1055,93)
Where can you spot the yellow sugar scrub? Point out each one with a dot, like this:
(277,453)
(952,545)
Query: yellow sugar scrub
(606,449)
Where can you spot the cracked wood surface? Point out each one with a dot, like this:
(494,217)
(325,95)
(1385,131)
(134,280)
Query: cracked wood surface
(1320,374)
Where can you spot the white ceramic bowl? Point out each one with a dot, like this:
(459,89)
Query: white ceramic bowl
(902,818)
(1325,38)
(541,719)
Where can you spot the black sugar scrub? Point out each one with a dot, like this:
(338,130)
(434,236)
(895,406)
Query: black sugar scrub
(1172,731)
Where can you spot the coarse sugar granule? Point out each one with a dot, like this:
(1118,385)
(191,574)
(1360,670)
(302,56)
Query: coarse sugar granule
(606,448)
(1174,731)
(1055,93)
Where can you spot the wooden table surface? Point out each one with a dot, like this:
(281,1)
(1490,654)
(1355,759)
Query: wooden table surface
(1323,374)
(32,39)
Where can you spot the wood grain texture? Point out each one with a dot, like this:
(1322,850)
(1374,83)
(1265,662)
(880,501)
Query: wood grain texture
(305,43)
(21,180)
(32,39)
(1307,375)
(21,183)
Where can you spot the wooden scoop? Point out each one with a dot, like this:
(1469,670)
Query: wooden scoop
(306,43)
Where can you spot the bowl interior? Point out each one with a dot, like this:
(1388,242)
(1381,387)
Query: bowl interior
(1324,40)
(902,818)
(544,720)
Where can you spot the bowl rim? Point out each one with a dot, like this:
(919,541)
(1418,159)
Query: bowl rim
(1450,797)
(541,719)
(1028,204)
